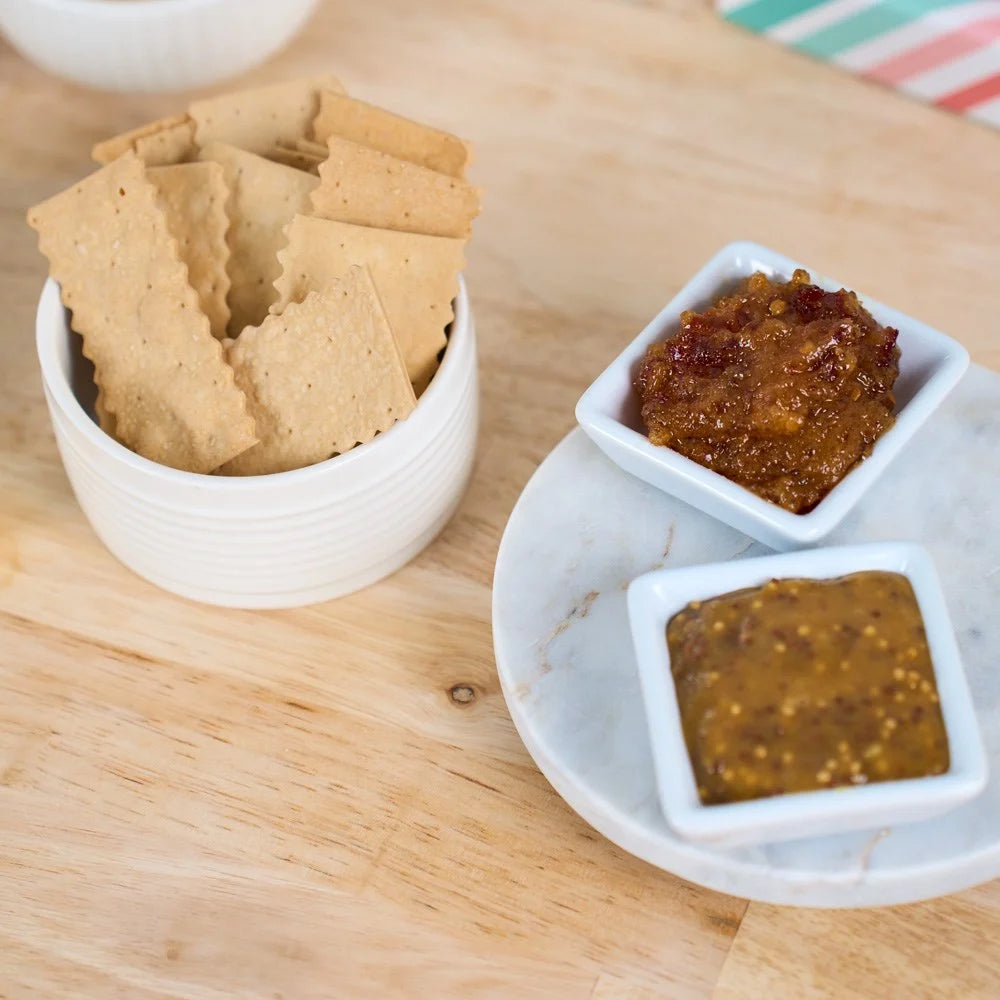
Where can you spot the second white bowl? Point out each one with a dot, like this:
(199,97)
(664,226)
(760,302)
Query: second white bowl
(156,46)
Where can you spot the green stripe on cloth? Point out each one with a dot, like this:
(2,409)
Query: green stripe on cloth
(885,16)
(759,15)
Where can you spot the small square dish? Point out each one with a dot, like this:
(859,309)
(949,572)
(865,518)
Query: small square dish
(656,598)
(930,365)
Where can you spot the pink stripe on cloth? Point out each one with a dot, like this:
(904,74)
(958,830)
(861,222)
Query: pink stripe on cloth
(940,50)
(969,97)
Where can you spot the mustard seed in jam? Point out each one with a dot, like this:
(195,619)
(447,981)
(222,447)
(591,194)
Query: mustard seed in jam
(806,684)
(781,387)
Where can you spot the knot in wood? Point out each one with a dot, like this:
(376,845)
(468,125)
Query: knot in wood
(463,694)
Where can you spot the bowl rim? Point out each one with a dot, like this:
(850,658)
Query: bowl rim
(736,823)
(51,324)
(591,408)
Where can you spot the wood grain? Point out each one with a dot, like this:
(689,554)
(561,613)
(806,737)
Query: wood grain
(945,948)
(202,803)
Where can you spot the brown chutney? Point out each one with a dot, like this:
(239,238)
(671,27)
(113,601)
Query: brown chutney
(781,387)
(806,684)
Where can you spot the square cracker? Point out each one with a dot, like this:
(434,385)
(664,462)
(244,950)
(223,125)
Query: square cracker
(194,197)
(259,119)
(161,372)
(263,198)
(369,188)
(320,378)
(416,277)
(371,126)
(165,133)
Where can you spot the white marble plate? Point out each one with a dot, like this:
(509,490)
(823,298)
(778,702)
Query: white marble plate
(583,529)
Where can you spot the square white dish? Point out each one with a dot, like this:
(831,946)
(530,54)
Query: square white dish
(655,597)
(930,365)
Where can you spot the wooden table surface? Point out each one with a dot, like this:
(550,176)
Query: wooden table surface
(202,803)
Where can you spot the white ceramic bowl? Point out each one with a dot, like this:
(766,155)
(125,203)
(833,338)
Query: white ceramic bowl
(930,365)
(655,598)
(269,541)
(153,46)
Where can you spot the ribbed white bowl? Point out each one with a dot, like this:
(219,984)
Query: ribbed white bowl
(156,46)
(271,541)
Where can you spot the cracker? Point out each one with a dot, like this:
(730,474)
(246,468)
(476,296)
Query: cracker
(161,372)
(416,277)
(193,195)
(297,158)
(368,125)
(263,198)
(111,149)
(320,378)
(264,117)
(170,145)
(369,188)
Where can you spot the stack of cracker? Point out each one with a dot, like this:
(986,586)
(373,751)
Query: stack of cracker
(265,281)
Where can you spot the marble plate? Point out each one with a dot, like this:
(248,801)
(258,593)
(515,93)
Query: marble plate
(583,529)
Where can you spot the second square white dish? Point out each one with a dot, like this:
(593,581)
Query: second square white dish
(654,598)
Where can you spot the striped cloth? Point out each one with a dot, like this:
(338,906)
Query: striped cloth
(945,52)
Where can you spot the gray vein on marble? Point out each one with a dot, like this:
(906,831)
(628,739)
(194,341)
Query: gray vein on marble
(584,529)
